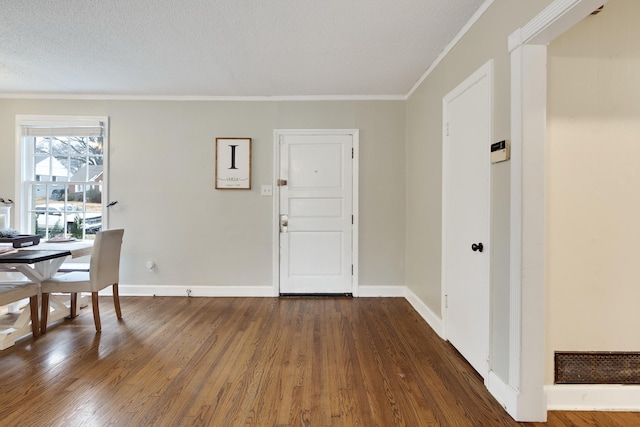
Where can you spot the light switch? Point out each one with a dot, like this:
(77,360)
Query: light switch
(266,190)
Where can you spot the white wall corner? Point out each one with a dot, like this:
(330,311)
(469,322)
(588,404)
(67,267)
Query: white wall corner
(527,334)
(597,397)
(434,321)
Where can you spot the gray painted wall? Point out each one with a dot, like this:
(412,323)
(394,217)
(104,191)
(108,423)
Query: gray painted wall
(162,175)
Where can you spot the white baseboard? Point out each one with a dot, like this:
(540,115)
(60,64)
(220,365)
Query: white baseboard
(267,291)
(423,310)
(196,291)
(237,291)
(381,291)
(597,397)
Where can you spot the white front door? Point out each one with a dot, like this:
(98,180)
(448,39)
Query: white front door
(315,213)
(466,217)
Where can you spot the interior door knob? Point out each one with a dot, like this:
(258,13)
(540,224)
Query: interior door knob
(477,247)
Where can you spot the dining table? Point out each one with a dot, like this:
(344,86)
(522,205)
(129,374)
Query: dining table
(38,263)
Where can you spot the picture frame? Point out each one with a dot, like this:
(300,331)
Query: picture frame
(233,164)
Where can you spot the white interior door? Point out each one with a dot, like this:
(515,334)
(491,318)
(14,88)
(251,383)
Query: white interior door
(466,217)
(315,213)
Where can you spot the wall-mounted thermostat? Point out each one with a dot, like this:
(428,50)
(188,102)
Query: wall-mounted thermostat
(500,151)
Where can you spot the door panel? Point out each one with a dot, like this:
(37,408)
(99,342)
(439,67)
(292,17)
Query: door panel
(466,218)
(316,204)
(315,166)
(323,207)
(315,254)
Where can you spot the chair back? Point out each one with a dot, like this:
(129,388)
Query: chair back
(104,269)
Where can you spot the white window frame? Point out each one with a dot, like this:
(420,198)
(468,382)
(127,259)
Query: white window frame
(23,161)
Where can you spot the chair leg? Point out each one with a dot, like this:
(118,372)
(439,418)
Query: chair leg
(116,301)
(35,324)
(96,311)
(73,311)
(45,313)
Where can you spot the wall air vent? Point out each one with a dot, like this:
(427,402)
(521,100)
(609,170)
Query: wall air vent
(597,368)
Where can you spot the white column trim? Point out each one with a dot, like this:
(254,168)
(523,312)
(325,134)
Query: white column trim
(527,336)
(515,232)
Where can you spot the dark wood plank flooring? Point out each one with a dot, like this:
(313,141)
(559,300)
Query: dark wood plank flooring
(251,361)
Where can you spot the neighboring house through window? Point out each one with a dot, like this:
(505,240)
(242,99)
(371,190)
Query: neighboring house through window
(62,166)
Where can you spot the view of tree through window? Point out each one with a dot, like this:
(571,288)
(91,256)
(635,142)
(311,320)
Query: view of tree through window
(65,189)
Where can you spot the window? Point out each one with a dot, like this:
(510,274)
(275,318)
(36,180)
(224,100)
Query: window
(62,175)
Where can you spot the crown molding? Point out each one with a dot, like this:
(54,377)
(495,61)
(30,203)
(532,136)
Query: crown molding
(472,21)
(90,97)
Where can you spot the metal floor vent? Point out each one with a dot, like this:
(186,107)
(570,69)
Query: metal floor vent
(316,295)
(597,368)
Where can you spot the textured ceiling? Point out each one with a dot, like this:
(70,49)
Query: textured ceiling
(224,47)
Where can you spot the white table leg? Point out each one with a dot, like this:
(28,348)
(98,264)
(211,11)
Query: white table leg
(22,326)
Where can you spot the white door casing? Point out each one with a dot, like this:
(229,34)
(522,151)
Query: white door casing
(466,192)
(315,211)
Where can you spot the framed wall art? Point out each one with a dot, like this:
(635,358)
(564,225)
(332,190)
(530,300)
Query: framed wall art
(233,163)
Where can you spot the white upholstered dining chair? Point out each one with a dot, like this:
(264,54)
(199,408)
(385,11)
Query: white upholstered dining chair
(104,270)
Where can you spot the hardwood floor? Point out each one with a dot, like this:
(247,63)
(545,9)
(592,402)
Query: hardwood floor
(251,361)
